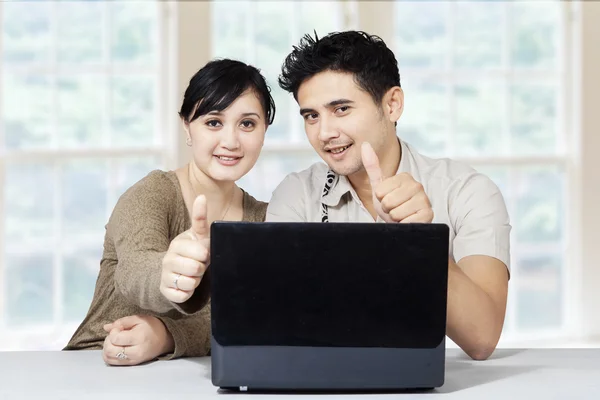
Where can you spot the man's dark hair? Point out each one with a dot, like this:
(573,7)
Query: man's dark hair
(367,57)
(219,83)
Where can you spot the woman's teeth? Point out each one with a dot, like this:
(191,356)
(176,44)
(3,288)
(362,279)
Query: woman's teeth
(227,158)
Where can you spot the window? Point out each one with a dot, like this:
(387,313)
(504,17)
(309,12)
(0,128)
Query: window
(79,123)
(485,82)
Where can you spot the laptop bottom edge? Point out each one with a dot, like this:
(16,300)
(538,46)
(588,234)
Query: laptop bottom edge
(264,368)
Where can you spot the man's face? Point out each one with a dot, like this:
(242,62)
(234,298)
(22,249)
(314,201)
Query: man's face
(338,117)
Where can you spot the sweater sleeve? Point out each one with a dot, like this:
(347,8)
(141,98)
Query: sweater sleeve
(191,334)
(139,226)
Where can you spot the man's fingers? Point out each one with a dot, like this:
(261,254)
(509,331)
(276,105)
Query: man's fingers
(415,206)
(371,163)
(200,225)
(394,199)
(421,216)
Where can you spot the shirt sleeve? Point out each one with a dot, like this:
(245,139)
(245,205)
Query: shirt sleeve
(288,201)
(479,215)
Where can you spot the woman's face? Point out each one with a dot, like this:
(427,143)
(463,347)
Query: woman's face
(226,144)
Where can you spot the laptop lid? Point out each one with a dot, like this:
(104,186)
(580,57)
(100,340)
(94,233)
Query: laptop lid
(333,285)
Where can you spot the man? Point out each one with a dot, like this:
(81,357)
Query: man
(348,88)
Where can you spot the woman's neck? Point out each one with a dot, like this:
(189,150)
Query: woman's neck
(219,194)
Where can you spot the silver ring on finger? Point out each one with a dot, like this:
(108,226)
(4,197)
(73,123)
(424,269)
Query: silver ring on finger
(121,355)
(176,280)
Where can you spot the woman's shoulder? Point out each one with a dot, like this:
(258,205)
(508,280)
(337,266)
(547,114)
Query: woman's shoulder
(157,188)
(156,181)
(254,210)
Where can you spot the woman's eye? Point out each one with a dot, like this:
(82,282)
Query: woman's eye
(213,123)
(248,124)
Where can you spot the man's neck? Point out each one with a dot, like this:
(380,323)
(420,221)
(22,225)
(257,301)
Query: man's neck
(389,161)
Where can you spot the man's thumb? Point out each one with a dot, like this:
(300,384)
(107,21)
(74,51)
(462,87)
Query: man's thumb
(371,163)
(199,215)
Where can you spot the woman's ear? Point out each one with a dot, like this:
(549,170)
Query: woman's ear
(188,135)
(394,103)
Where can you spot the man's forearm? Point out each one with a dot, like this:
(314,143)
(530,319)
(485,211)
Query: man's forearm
(474,322)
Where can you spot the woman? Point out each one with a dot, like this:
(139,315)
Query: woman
(152,274)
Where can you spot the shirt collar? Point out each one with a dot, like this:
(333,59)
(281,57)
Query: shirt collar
(341,184)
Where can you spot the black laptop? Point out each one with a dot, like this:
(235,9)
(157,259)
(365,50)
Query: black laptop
(328,306)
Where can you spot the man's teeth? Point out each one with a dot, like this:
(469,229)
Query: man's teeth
(227,158)
(336,151)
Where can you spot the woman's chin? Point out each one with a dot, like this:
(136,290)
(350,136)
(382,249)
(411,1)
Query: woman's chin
(229,174)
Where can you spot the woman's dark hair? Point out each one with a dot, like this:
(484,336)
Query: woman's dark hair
(219,83)
(367,57)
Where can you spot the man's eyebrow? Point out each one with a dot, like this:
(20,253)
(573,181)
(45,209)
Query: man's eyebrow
(306,111)
(331,104)
(338,102)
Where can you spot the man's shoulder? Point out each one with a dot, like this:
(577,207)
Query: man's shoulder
(441,168)
(311,177)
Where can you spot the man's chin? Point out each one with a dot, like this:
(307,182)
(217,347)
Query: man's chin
(344,170)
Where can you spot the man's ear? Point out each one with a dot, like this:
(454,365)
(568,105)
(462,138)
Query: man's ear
(393,103)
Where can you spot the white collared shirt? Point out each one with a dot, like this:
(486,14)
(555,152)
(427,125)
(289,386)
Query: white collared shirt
(467,201)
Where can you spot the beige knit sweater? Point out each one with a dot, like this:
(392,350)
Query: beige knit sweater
(146,218)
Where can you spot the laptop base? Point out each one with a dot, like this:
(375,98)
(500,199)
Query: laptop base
(303,368)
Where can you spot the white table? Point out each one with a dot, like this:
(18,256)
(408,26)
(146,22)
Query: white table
(509,374)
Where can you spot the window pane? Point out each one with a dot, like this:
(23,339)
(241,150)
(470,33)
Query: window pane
(80,270)
(479,119)
(539,291)
(535,33)
(84,199)
(131,170)
(134,32)
(321,16)
(270,171)
(229,19)
(133,110)
(272,48)
(534,119)
(79,30)
(80,110)
(478,40)
(500,176)
(26,32)
(421,34)
(29,289)
(539,192)
(424,122)
(29,191)
(27,101)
